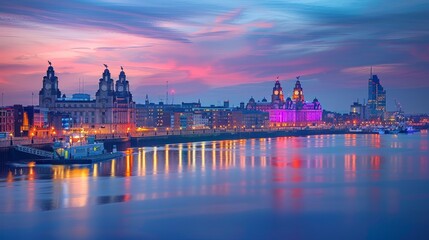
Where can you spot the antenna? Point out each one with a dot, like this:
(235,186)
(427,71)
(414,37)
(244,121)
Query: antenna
(166,99)
(370,73)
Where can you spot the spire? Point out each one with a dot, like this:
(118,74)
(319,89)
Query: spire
(370,73)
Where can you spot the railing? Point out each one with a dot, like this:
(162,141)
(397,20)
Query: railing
(23,141)
(34,151)
(163,132)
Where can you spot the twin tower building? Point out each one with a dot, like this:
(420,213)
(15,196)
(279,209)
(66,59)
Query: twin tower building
(112,109)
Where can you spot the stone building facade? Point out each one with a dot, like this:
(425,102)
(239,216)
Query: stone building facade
(112,110)
(293,111)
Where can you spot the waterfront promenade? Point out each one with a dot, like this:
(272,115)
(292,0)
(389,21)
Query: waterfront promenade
(13,141)
(160,137)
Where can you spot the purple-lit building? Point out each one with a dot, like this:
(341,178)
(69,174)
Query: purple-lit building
(293,111)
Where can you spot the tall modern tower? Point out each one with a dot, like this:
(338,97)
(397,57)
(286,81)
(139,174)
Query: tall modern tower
(376,97)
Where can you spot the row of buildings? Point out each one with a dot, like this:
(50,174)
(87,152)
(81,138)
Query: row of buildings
(113,110)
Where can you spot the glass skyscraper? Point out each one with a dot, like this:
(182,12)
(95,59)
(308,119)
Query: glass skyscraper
(376,97)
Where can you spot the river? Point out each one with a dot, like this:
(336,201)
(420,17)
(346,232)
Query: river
(324,186)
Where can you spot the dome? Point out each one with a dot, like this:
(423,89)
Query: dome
(50,68)
(106,71)
(288,99)
(252,100)
(315,100)
(264,100)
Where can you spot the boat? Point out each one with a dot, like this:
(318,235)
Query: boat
(68,152)
(355,130)
(379,130)
(391,131)
(408,130)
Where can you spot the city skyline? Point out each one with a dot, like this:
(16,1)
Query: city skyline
(220,51)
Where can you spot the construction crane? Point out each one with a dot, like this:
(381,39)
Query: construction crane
(399,113)
(398,106)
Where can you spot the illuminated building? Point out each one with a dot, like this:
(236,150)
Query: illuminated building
(21,121)
(358,111)
(7,120)
(112,109)
(250,119)
(293,111)
(376,97)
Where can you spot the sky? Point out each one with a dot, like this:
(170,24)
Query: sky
(219,50)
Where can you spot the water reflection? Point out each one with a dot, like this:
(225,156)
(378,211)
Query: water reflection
(286,166)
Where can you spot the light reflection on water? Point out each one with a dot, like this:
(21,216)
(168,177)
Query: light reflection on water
(343,174)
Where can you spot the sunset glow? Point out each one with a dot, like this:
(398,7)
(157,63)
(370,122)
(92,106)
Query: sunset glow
(207,48)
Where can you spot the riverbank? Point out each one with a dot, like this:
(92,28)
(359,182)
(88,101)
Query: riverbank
(158,139)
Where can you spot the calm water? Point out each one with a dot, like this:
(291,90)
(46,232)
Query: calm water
(337,186)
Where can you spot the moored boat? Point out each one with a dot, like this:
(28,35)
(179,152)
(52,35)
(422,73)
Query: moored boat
(355,130)
(408,130)
(84,151)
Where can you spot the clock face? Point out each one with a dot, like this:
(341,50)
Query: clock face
(48,86)
(276,92)
(47,101)
(104,87)
(296,92)
(120,88)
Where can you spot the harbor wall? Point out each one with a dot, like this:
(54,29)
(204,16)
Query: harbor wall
(9,153)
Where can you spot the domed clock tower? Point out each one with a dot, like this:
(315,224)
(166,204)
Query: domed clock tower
(49,93)
(298,94)
(124,113)
(105,97)
(123,93)
(277,97)
(105,93)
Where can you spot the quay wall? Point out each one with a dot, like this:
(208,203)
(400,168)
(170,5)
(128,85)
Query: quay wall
(122,143)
